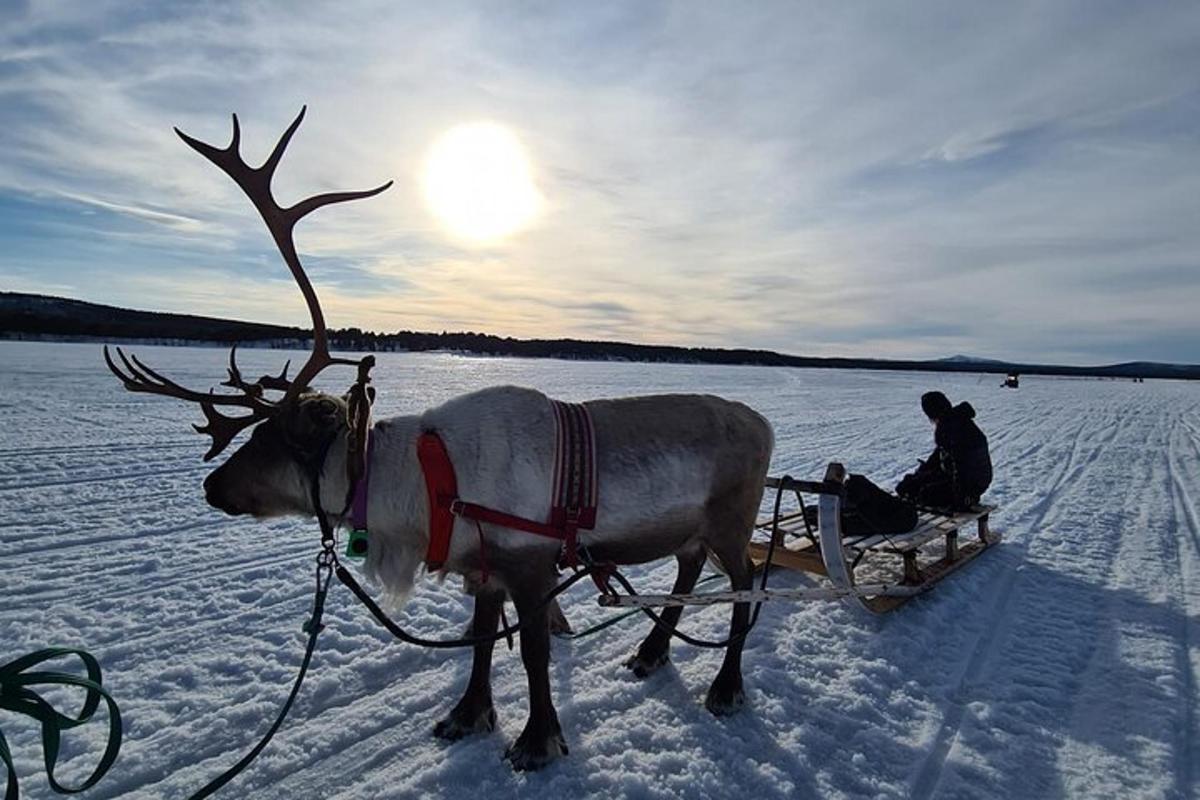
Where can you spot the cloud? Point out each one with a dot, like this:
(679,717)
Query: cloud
(964,147)
(150,215)
(908,180)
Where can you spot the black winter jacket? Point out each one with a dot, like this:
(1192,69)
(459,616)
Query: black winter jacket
(962,452)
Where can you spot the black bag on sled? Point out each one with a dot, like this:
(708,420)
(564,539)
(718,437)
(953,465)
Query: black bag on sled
(869,510)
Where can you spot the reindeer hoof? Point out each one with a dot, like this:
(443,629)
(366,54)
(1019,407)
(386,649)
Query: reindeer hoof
(530,752)
(722,701)
(644,665)
(462,723)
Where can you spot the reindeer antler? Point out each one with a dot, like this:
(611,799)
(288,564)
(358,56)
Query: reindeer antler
(138,377)
(278,382)
(256,183)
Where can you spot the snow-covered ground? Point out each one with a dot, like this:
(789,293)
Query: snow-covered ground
(1064,663)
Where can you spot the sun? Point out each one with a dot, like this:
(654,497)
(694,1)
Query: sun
(478,183)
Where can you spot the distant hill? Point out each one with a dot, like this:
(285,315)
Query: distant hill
(961,359)
(60,317)
(32,316)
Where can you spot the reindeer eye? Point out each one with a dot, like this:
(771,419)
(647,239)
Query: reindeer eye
(322,410)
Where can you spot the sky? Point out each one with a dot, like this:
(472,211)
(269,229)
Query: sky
(910,180)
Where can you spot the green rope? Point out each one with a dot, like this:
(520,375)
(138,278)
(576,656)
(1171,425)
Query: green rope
(16,695)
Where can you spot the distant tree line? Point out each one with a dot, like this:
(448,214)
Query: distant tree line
(28,316)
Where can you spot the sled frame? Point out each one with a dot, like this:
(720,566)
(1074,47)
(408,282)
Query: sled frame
(826,552)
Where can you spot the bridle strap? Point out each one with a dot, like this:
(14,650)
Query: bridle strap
(315,468)
(359,400)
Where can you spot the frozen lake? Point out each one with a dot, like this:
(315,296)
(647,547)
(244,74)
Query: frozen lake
(1064,663)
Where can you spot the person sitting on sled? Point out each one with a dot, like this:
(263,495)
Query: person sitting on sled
(959,470)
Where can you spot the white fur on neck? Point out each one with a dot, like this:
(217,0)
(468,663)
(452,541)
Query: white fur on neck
(397,513)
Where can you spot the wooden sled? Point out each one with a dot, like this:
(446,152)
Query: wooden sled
(825,551)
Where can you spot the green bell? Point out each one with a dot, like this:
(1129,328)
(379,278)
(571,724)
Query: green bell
(356,545)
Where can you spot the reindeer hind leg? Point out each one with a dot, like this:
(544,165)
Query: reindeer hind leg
(559,624)
(726,695)
(654,651)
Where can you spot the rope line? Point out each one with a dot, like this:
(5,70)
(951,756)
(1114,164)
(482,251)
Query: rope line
(16,695)
(312,627)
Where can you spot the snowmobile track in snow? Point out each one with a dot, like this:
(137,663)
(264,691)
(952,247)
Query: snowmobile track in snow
(929,774)
(1183,509)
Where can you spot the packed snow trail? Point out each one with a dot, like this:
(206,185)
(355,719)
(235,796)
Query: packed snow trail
(1063,663)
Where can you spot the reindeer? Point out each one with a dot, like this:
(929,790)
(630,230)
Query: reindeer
(678,475)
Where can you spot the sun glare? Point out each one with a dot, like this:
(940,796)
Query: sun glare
(477,181)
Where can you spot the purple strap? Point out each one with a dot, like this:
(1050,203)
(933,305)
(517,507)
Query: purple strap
(358,506)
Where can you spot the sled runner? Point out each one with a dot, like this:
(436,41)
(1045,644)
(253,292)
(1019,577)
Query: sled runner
(875,571)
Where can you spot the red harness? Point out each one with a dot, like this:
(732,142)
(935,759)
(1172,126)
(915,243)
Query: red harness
(575,489)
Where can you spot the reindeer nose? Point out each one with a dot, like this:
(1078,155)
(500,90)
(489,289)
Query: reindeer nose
(213,494)
(209,483)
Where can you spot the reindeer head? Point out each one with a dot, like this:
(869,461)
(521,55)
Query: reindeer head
(272,473)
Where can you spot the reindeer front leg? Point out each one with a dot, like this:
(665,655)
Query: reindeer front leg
(542,741)
(474,712)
